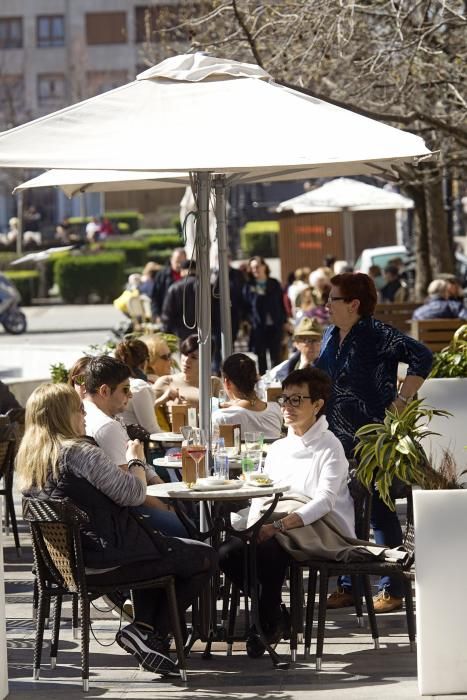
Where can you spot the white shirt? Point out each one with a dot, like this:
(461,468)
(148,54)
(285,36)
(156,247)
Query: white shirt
(315,465)
(110,434)
(268,421)
(140,408)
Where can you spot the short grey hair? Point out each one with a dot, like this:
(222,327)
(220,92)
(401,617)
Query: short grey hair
(437,288)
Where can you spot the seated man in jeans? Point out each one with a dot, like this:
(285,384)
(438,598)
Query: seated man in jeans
(107,383)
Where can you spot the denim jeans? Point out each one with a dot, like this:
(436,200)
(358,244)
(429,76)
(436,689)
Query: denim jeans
(166,521)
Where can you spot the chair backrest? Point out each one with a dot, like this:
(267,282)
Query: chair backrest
(55,529)
(397,314)
(7,454)
(146,307)
(409,534)
(362,506)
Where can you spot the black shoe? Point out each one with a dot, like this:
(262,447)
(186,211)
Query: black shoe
(273,632)
(148,648)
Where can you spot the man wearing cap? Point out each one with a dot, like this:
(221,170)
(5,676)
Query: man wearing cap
(307,340)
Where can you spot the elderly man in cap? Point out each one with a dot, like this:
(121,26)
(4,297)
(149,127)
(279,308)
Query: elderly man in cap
(307,341)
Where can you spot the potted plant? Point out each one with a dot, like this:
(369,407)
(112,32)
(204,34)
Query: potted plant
(392,451)
(446,388)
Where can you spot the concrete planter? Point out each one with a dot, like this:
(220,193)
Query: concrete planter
(450,395)
(441,573)
(3,656)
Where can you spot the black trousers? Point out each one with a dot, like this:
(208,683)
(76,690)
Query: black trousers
(272,563)
(191,563)
(264,339)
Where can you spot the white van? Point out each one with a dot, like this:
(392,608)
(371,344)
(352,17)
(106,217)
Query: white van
(379,256)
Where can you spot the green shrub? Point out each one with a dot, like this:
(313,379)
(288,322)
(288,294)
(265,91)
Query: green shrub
(260,238)
(79,276)
(26,282)
(144,232)
(6,258)
(123,228)
(134,251)
(131,219)
(159,256)
(163,241)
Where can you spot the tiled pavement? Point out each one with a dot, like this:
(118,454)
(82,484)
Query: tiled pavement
(351,667)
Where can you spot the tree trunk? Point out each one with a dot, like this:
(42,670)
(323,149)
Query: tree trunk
(440,244)
(423,274)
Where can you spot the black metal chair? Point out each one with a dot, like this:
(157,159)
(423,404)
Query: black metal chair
(56,542)
(7,465)
(360,573)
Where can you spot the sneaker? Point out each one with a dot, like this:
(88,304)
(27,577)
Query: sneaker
(341,598)
(384,602)
(149,649)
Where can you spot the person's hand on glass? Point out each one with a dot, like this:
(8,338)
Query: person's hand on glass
(135,450)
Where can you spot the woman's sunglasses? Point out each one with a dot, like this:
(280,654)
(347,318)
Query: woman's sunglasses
(165,357)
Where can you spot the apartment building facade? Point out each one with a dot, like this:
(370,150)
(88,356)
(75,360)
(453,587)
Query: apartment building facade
(57,52)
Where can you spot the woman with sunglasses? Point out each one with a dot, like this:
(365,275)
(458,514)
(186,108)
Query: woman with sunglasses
(244,407)
(311,461)
(160,358)
(140,407)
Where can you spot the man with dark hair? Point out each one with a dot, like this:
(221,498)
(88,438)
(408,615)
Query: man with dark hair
(394,288)
(107,383)
(165,278)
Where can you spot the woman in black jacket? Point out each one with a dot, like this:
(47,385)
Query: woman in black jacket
(54,461)
(265,306)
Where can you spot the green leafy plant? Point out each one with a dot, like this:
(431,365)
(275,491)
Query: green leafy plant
(260,238)
(59,373)
(452,361)
(26,282)
(392,450)
(82,275)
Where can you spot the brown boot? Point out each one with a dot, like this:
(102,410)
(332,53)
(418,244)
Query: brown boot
(341,598)
(384,602)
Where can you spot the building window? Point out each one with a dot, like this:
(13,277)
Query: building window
(51,89)
(51,30)
(11,33)
(11,99)
(106,28)
(101,81)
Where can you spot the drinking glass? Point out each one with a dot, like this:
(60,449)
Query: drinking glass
(196,447)
(253,441)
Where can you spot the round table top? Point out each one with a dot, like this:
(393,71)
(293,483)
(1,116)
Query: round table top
(181,491)
(163,462)
(166,437)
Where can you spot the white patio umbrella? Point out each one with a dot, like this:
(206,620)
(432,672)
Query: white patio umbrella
(209,116)
(347,196)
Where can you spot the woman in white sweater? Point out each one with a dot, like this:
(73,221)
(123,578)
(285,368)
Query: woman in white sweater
(312,462)
(244,407)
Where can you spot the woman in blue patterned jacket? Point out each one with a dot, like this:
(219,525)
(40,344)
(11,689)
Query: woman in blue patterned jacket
(361,355)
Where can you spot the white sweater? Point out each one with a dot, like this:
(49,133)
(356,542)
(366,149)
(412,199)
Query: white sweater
(140,408)
(314,465)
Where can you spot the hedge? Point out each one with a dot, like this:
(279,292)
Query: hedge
(79,276)
(134,251)
(159,256)
(131,218)
(144,232)
(260,238)
(26,282)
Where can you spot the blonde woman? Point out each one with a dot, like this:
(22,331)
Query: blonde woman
(160,361)
(55,461)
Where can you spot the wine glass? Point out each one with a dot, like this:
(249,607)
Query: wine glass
(197,447)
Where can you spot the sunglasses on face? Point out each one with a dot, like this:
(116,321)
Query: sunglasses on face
(165,356)
(294,400)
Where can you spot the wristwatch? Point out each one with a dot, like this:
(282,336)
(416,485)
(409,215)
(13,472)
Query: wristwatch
(279,525)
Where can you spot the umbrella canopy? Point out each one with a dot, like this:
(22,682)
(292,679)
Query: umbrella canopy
(74,182)
(343,193)
(206,116)
(196,113)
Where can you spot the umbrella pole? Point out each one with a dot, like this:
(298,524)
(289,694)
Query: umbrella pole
(224,286)
(204,301)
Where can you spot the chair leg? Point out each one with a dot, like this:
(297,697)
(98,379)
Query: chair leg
(176,628)
(357,599)
(55,630)
(370,609)
(234,600)
(10,511)
(410,612)
(35,598)
(85,619)
(41,612)
(296,608)
(310,608)
(323,595)
(74,616)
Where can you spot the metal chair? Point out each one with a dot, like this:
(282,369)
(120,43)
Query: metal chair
(7,464)
(58,559)
(359,572)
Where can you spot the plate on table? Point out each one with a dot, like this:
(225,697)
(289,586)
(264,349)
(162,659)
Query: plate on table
(263,482)
(166,437)
(211,485)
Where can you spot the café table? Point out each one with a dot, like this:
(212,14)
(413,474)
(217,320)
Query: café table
(166,437)
(218,519)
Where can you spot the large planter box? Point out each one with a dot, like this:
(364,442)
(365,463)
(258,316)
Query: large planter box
(441,573)
(450,395)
